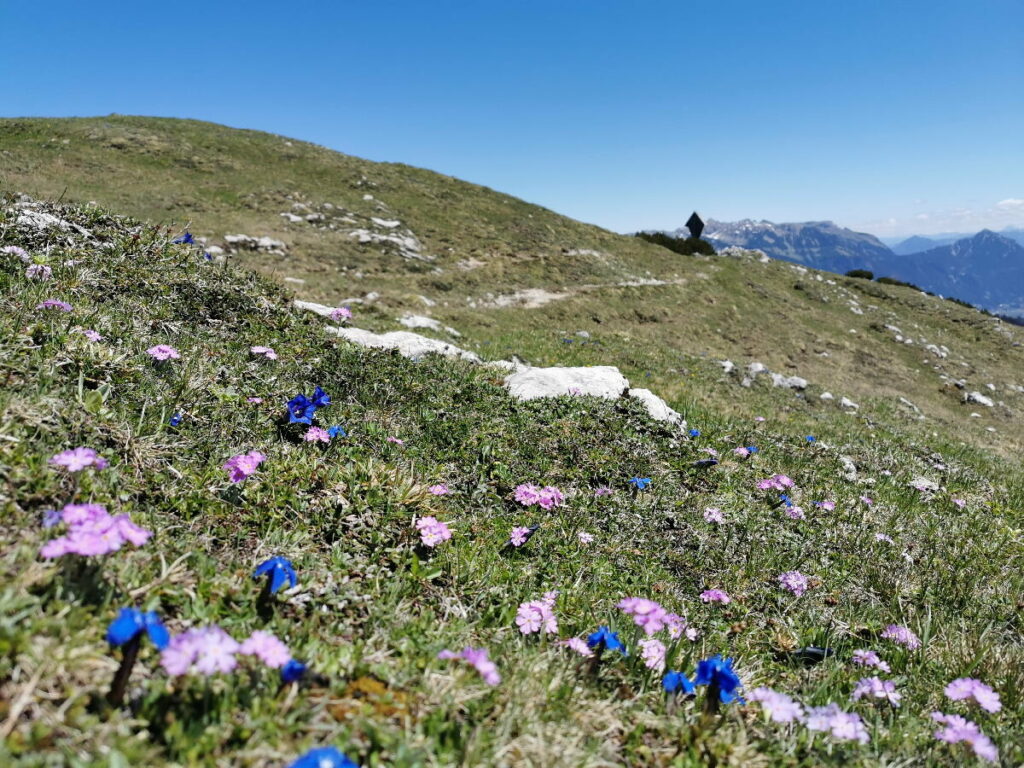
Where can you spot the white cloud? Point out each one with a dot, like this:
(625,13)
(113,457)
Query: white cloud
(922,217)
(1011,203)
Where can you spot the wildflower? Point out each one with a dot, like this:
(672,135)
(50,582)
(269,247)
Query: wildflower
(77,459)
(521,535)
(341,314)
(677,682)
(323,757)
(38,272)
(92,531)
(603,491)
(715,596)
(759,418)
(795,513)
(266,648)
(243,465)
(752,449)
(678,626)
(779,707)
(163,352)
(292,671)
(277,570)
(794,581)
(335,431)
(741,452)
(652,652)
(320,398)
(640,483)
(300,410)
(254,399)
(694,433)
(478,658)
(585,538)
(92,335)
(267,352)
(186,239)
(575,391)
(131,623)
(840,725)
(884,537)
(960,503)
(396,441)
(714,515)
(526,494)
(710,451)
(51,517)
(15,250)
(603,639)
(647,614)
(810,439)
(63,306)
(316,434)
(960,730)
(775,482)
(867,500)
(970,688)
(716,672)
(550,497)
(438,490)
(206,651)
(579,646)
(902,635)
(876,687)
(547,497)
(536,615)
(175,420)
(830,506)
(870,659)
(432,531)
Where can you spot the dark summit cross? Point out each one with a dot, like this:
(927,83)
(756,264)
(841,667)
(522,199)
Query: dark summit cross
(695,225)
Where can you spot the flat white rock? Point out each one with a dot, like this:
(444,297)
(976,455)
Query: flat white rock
(406,343)
(656,407)
(597,381)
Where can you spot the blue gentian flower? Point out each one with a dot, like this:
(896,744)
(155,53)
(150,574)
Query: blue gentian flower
(130,622)
(677,682)
(279,570)
(187,239)
(292,670)
(810,438)
(207,256)
(694,433)
(51,517)
(785,500)
(605,638)
(640,483)
(335,431)
(175,420)
(323,757)
(752,448)
(320,398)
(301,410)
(718,671)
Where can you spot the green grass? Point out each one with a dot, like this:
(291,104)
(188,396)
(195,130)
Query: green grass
(373,609)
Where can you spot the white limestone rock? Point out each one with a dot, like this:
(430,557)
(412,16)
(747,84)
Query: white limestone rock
(408,344)
(597,381)
(656,407)
(980,399)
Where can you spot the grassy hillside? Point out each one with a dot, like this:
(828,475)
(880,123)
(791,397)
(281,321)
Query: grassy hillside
(516,279)
(373,606)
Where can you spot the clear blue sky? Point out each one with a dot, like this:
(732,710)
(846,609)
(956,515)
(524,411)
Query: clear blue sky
(892,116)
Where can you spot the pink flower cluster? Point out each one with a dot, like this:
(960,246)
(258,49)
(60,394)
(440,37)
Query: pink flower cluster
(969,688)
(163,352)
(795,513)
(876,688)
(520,535)
(840,725)
(714,515)
(316,435)
(243,465)
(960,730)
(340,314)
(267,649)
(870,659)
(93,531)
(63,306)
(538,615)
(651,617)
(778,706)
(267,352)
(741,452)
(652,652)
(439,490)
(902,635)
(478,658)
(77,459)
(775,482)
(432,531)
(794,581)
(547,497)
(208,650)
(579,645)
(715,596)
(38,272)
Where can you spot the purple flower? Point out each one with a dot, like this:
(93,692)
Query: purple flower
(775,482)
(741,452)
(714,515)
(877,688)
(341,314)
(316,434)
(91,335)
(266,648)
(778,706)
(396,441)
(585,538)
(678,626)
(884,537)
(205,651)
(652,652)
(715,596)
(827,505)
(439,490)
(579,645)
(794,581)
(163,352)
(867,500)
(38,272)
(92,531)
(51,517)
(15,250)
(547,497)
(478,658)
(870,659)
(63,306)
(520,535)
(960,503)
(841,726)
(795,513)
(77,459)
(603,491)
(243,465)
(267,352)
(960,730)
(432,531)
(536,616)
(902,635)
(970,688)
(647,614)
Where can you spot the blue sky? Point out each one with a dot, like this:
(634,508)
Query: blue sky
(891,117)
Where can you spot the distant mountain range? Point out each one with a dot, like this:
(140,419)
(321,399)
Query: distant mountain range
(985,269)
